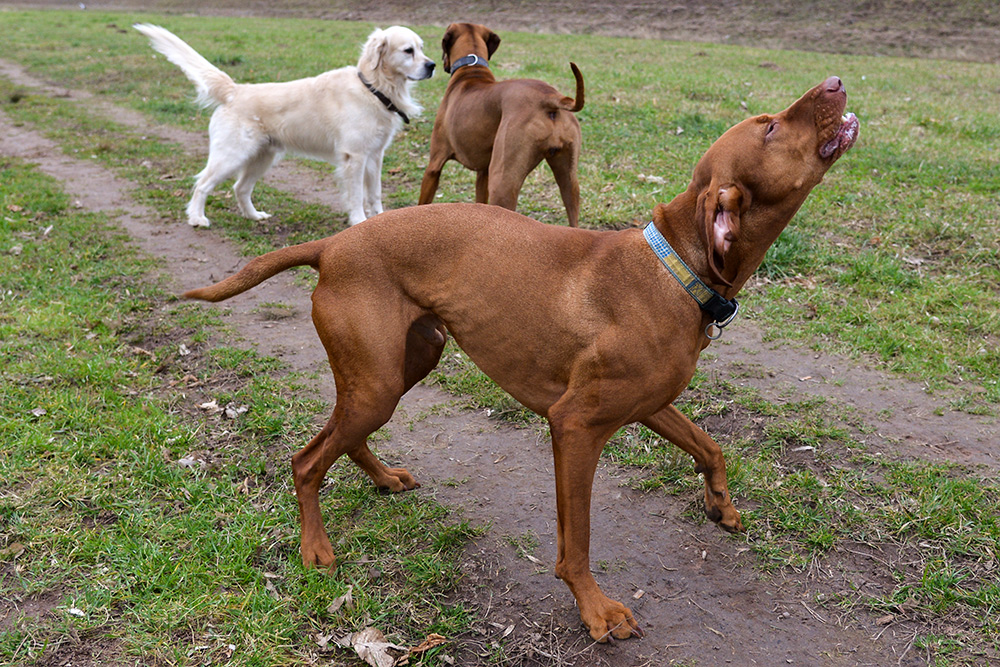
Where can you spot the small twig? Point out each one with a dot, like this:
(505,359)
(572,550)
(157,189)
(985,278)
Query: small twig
(815,615)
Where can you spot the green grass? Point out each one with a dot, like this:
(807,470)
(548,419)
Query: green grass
(98,517)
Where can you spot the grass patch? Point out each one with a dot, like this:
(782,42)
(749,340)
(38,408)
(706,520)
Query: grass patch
(138,520)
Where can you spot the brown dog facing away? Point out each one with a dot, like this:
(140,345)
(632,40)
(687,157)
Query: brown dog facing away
(502,129)
(587,328)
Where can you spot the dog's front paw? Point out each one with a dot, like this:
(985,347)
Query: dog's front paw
(318,553)
(259,215)
(608,619)
(199,221)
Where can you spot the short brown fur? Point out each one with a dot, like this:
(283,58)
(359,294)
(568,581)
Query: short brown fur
(587,328)
(502,130)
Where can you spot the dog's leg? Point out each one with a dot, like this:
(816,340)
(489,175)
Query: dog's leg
(509,166)
(678,429)
(483,186)
(576,448)
(345,433)
(373,184)
(440,153)
(367,393)
(213,174)
(352,186)
(564,165)
(251,172)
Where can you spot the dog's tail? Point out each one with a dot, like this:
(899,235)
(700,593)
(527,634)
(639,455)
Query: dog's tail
(260,269)
(568,103)
(212,84)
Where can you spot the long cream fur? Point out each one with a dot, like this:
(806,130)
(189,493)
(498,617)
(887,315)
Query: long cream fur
(330,117)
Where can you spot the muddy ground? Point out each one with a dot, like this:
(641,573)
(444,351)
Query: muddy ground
(703,600)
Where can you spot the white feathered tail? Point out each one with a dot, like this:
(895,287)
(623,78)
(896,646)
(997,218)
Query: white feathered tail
(213,86)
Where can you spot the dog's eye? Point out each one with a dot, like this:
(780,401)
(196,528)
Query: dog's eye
(408,50)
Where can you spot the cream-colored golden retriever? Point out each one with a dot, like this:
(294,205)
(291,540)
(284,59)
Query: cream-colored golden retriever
(346,116)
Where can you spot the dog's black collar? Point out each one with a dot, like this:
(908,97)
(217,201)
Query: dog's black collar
(471,59)
(721,309)
(384,99)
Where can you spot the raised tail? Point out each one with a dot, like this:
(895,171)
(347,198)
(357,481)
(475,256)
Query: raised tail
(568,103)
(213,86)
(260,269)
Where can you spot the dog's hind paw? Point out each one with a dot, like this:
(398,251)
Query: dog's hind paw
(199,221)
(396,480)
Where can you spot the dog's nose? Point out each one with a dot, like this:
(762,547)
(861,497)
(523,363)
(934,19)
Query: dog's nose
(429,65)
(833,84)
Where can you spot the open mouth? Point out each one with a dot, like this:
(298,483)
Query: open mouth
(846,135)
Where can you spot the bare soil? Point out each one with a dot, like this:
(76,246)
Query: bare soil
(695,590)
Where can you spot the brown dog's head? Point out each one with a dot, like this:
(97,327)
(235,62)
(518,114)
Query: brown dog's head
(463,39)
(754,178)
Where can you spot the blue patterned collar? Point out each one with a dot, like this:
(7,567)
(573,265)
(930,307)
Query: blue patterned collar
(467,61)
(720,308)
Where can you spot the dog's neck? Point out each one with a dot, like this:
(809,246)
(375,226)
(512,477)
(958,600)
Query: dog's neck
(397,91)
(383,98)
(677,222)
(469,61)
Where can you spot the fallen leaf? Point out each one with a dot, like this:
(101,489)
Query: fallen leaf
(885,620)
(211,406)
(193,460)
(16,249)
(183,350)
(346,601)
(39,412)
(232,411)
(14,550)
(433,639)
(371,646)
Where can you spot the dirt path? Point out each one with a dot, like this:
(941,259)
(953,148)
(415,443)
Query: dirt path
(702,597)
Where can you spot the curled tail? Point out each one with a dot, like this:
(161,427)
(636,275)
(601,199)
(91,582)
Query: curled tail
(213,86)
(568,103)
(260,269)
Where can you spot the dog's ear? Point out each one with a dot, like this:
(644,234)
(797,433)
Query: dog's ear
(374,49)
(719,225)
(446,43)
(492,42)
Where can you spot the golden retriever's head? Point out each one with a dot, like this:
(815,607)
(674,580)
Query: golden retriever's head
(395,54)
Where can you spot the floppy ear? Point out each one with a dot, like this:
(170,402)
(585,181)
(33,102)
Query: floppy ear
(446,43)
(492,42)
(719,225)
(374,49)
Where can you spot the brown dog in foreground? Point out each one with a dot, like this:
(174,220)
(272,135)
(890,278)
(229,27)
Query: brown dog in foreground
(586,328)
(502,129)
